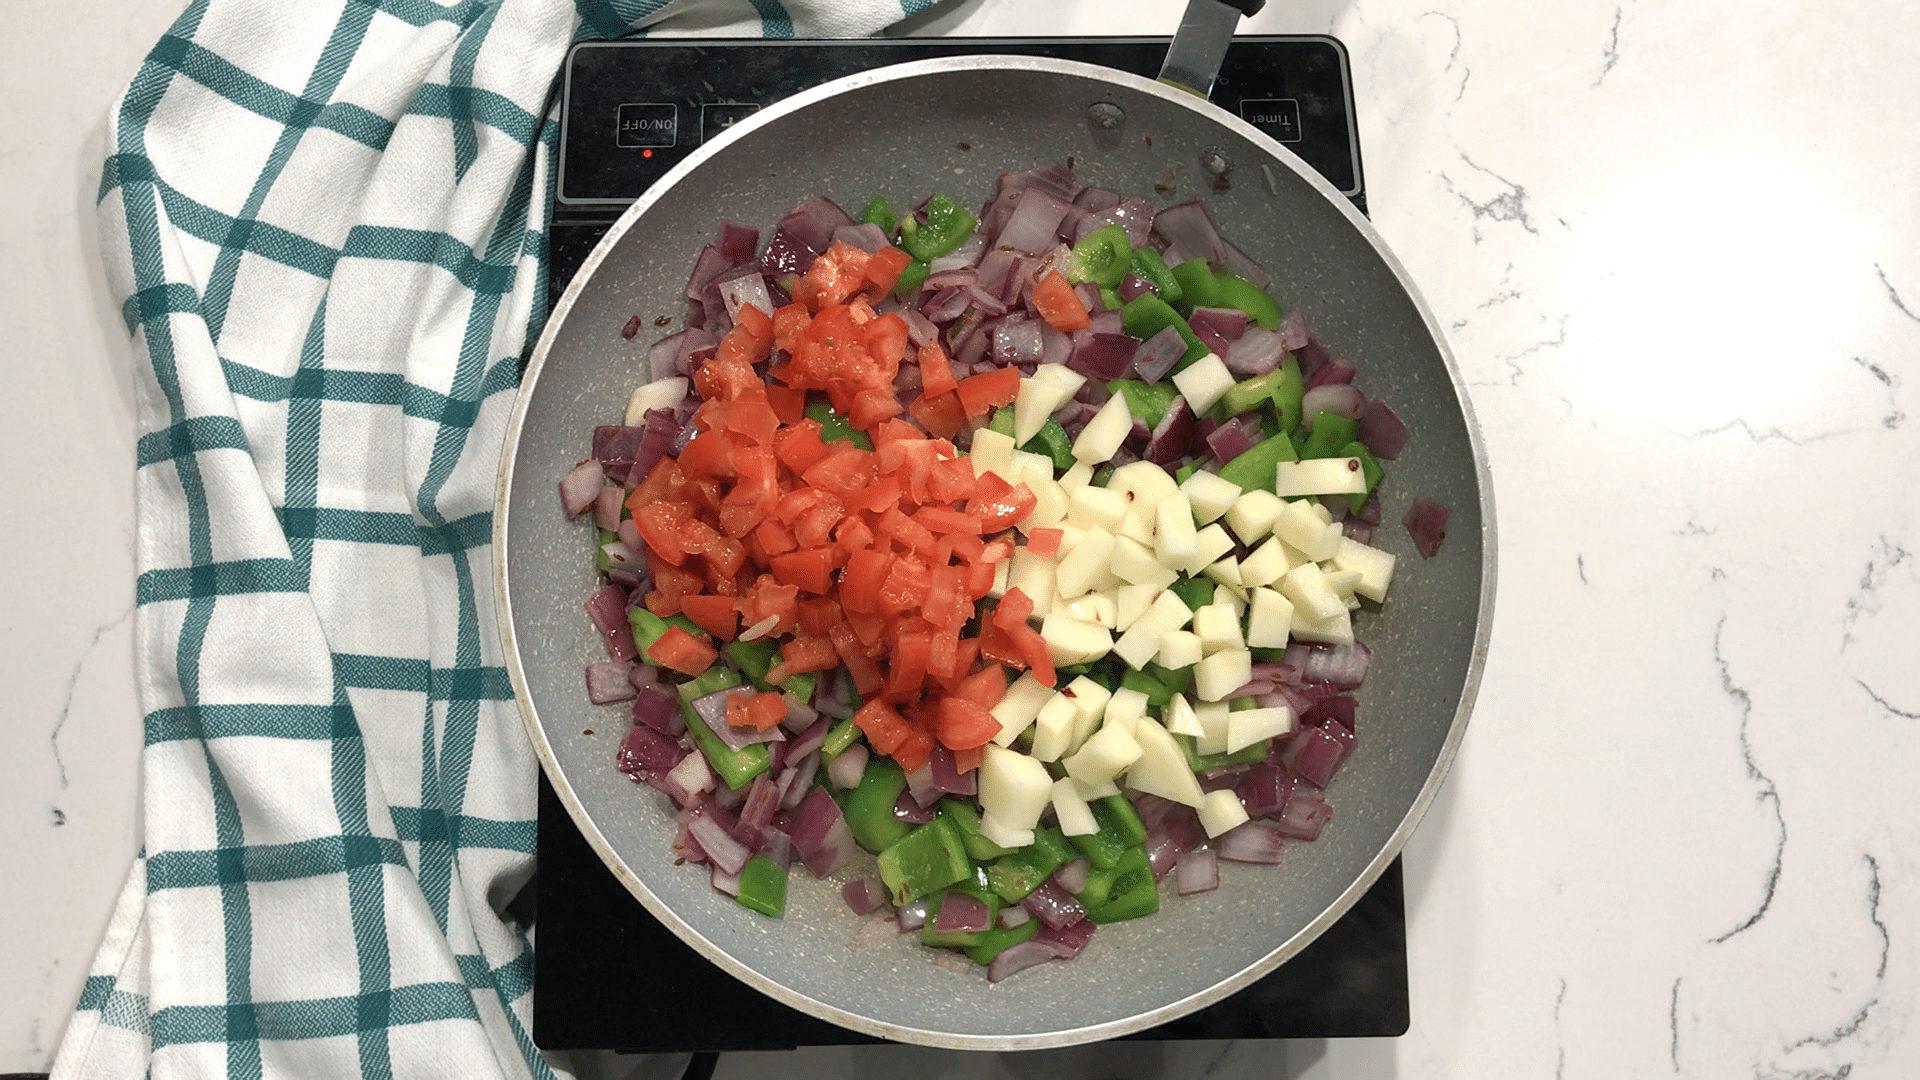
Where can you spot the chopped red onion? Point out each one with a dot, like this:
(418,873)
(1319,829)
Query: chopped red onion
(1293,331)
(1013,915)
(1233,438)
(864,895)
(799,780)
(877,930)
(1168,442)
(581,487)
(1340,399)
(1262,789)
(1133,286)
(658,707)
(1073,876)
(1382,430)
(1218,327)
(820,834)
(1054,905)
(723,850)
(1329,373)
(1019,957)
(946,775)
(691,776)
(1035,222)
(1155,357)
(1067,941)
(607,682)
(845,771)
(608,610)
(1102,357)
(1426,522)
(645,748)
(706,270)
(1335,709)
(907,808)
(763,798)
(1304,814)
(866,236)
(1314,755)
(920,329)
(1344,666)
(1161,851)
(1016,342)
(713,709)
(911,916)
(606,507)
(1255,841)
(962,913)
(746,290)
(1198,871)
(1257,352)
(725,882)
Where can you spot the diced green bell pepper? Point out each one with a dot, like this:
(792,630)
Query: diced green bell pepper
(1195,592)
(648,627)
(763,886)
(947,227)
(1178,680)
(839,737)
(868,808)
(966,818)
(834,427)
(879,213)
(1238,293)
(1150,267)
(1159,694)
(991,943)
(1254,469)
(1054,443)
(1130,891)
(1103,257)
(1328,434)
(1198,762)
(756,658)
(1199,286)
(931,856)
(912,276)
(1146,315)
(1120,828)
(1369,468)
(1014,876)
(1250,394)
(1146,403)
(1287,394)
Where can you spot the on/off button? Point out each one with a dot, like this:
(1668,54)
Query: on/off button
(1277,118)
(647,125)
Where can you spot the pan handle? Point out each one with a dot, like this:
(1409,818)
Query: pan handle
(1247,7)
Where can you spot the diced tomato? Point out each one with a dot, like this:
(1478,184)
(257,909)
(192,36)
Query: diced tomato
(915,749)
(936,370)
(860,588)
(883,270)
(963,725)
(1057,303)
(884,728)
(965,761)
(941,415)
(978,393)
(710,454)
(774,538)
(810,569)
(1033,648)
(939,519)
(717,615)
(682,652)
(872,406)
(1000,504)
(985,687)
(803,654)
(1014,610)
(1045,542)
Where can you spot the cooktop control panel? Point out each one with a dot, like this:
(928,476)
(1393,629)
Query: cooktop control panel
(633,109)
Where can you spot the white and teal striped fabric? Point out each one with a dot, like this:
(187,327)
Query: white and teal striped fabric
(327,224)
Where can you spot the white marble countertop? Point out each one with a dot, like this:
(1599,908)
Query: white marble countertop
(1677,247)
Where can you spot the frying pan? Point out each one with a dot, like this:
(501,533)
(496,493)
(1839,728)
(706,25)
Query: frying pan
(952,125)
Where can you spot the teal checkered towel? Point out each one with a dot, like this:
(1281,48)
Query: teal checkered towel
(326,222)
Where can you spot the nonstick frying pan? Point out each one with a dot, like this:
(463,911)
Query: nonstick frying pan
(953,125)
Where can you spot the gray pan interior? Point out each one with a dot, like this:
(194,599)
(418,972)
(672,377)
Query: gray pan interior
(953,125)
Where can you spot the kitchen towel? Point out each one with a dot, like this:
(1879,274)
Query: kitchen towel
(326,225)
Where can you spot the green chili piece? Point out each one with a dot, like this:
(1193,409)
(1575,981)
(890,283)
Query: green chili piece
(879,213)
(930,857)
(834,427)
(947,227)
(1329,432)
(1237,292)
(1149,266)
(1254,469)
(763,886)
(869,806)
